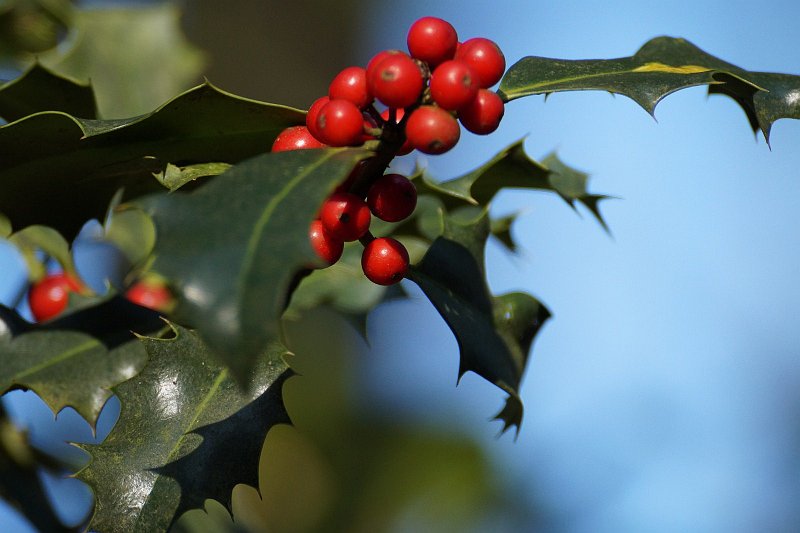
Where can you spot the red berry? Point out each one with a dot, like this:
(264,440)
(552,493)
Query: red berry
(483,114)
(375,61)
(397,81)
(49,297)
(484,58)
(453,85)
(295,138)
(351,84)
(327,247)
(150,294)
(345,216)
(340,123)
(384,261)
(406,148)
(432,130)
(313,113)
(392,197)
(432,40)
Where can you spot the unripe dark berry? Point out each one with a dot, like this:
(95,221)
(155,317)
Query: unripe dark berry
(49,297)
(295,138)
(327,247)
(351,84)
(432,130)
(340,123)
(453,85)
(345,216)
(313,114)
(384,261)
(392,197)
(482,116)
(432,40)
(484,58)
(150,294)
(397,81)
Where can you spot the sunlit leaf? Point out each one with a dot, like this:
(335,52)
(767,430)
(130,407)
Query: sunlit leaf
(39,238)
(175,177)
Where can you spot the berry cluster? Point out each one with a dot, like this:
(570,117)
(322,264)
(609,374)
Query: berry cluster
(426,93)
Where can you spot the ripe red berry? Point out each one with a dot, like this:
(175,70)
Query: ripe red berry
(150,294)
(340,123)
(406,148)
(392,197)
(49,297)
(384,261)
(432,130)
(375,61)
(453,85)
(295,138)
(484,58)
(345,216)
(313,114)
(327,247)
(351,84)
(432,40)
(397,81)
(483,114)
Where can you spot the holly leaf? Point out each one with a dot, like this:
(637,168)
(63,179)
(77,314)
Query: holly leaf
(39,238)
(501,228)
(59,170)
(174,177)
(231,249)
(512,168)
(40,89)
(494,334)
(660,67)
(187,431)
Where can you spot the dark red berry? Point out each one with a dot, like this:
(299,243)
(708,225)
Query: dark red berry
(49,297)
(484,58)
(345,216)
(340,123)
(313,113)
(392,197)
(406,148)
(295,138)
(384,261)
(432,40)
(397,81)
(432,130)
(327,247)
(150,294)
(453,85)
(483,114)
(351,84)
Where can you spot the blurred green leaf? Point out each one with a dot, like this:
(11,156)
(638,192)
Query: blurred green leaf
(175,177)
(60,171)
(5,226)
(30,27)
(41,238)
(136,56)
(232,248)
(187,432)
(132,231)
(661,66)
(39,89)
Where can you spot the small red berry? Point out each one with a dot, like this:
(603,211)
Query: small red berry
(397,81)
(432,130)
(340,123)
(375,61)
(406,148)
(485,59)
(351,84)
(483,115)
(295,138)
(345,216)
(453,85)
(392,197)
(313,113)
(384,261)
(432,40)
(327,247)
(150,294)
(49,297)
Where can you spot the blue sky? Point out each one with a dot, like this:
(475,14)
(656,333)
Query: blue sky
(662,395)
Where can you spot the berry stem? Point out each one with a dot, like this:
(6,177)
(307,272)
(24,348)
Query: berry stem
(367,238)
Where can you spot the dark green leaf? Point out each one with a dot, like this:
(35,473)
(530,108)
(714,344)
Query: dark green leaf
(501,228)
(39,89)
(59,171)
(187,431)
(662,66)
(494,334)
(231,249)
